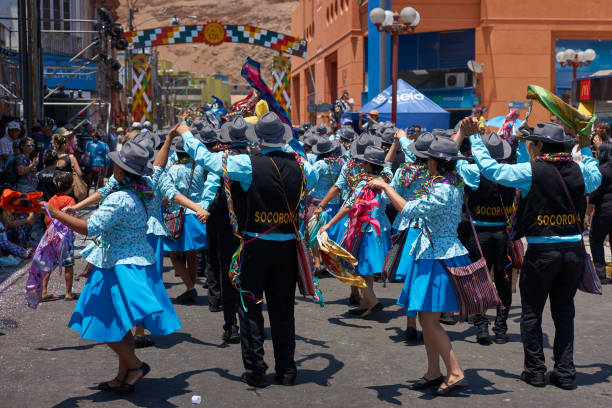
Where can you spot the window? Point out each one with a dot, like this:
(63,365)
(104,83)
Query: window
(53,12)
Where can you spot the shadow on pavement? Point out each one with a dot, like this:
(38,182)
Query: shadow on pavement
(314,342)
(319,377)
(340,322)
(171,340)
(76,348)
(601,376)
(150,392)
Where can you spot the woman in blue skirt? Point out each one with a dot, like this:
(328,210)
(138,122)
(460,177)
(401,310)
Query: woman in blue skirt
(122,290)
(364,204)
(428,290)
(183,176)
(408,178)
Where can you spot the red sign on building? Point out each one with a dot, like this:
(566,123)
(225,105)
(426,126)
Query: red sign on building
(585,90)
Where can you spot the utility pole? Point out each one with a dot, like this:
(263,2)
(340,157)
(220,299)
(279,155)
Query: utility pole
(35,61)
(128,63)
(24,75)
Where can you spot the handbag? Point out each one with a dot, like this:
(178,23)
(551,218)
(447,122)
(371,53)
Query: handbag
(79,188)
(589,280)
(473,285)
(175,220)
(305,265)
(392,259)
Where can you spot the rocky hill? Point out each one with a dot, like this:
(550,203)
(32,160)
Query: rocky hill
(225,59)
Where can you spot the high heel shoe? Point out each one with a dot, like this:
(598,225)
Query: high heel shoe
(125,388)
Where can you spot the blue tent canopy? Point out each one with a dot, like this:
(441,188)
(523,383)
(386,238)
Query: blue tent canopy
(413,108)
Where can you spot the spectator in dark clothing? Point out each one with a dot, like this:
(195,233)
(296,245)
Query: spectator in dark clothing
(26,167)
(46,175)
(43,138)
(600,206)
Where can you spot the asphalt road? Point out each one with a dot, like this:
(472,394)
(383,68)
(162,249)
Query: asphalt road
(342,361)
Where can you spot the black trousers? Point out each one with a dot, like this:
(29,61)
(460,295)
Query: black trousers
(227,244)
(494,241)
(269,267)
(212,265)
(550,270)
(601,226)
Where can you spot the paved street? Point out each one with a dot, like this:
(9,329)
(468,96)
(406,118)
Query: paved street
(342,361)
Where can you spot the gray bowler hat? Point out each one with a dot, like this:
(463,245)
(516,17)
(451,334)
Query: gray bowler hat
(133,158)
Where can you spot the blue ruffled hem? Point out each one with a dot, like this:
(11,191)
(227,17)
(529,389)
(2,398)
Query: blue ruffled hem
(427,287)
(115,300)
(372,252)
(192,238)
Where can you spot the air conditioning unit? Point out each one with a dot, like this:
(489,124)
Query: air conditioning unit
(455,79)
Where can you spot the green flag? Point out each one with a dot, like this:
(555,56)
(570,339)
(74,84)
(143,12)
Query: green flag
(567,114)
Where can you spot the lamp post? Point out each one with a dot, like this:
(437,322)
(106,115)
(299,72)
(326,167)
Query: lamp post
(575,59)
(387,21)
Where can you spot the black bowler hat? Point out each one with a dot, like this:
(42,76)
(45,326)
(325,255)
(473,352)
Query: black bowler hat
(133,158)
(347,133)
(549,132)
(374,155)
(324,146)
(364,140)
(234,131)
(270,131)
(421,145)
(444,148)
(497,147)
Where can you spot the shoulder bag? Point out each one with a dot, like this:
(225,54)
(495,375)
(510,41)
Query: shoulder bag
(589,281)
(175,220)
(392,259)
(473,285)
(305,264)
(516,249)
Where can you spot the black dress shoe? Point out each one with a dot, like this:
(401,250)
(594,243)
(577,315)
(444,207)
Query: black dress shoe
(188,296)
(215,308)
(423,383)
(143,342)
(371,312)
(500,338)
(483,336)
(462,384)
(448,318)
(564,383)
(354,299)
(357,311)
(535,379)
(285,379)
(412,334)
(258,380)
(231,335)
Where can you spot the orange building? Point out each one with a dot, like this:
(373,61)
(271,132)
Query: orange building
(515,42)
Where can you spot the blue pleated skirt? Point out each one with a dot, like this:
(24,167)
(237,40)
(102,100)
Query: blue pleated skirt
(115,300)
(372,252)
(337,230)
(157,243)
(192,238)
(427,287)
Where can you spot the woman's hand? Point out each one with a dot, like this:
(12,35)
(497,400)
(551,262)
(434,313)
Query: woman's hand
(400,134)
(324,228)
(69,210)
(202,215)
(182,128)
(378,184)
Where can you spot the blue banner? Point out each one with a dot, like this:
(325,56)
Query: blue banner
(75,75)
(451,98)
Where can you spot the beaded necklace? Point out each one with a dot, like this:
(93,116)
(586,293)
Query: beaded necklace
(555,158)
(330,161)
(451,178)
(184,160)
(411,172)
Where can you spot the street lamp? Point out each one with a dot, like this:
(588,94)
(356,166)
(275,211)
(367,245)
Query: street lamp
(389,22)
(575,59)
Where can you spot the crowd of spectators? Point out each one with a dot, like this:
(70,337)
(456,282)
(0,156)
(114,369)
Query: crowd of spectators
(35,162)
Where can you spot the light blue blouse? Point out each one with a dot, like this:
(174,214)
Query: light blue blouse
(440,211)
(176,180)
(121,224)
(326,179)
(401,223)
(155,223)
(404,143)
